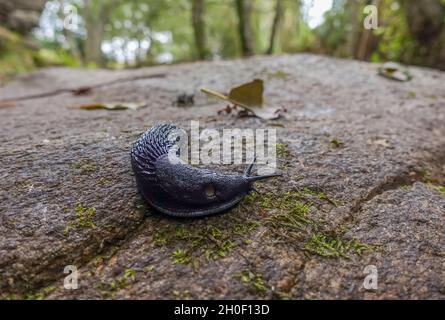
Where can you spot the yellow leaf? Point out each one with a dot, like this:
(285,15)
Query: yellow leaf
(249,94)
(113,106)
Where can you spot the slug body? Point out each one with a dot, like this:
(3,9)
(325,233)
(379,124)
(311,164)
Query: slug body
(178,189)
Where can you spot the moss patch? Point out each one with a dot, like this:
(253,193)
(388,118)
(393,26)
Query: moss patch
(255,280)
(197,243)
(84,218)
(335,246)
(110,289)
(280,74)
(210,243)
(85,166)
(441,189)
(336,143)
(290,221)
(181,295)
(283,150)
(41,294)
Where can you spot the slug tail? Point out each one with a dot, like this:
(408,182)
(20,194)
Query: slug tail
(149,147)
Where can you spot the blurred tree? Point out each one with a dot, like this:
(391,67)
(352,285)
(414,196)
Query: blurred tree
(295,33)
(20,16)
(199,28)
(221,29)
(244,11)
(275,25)
(354,27)
(426,22)
(97,15)
(131,33)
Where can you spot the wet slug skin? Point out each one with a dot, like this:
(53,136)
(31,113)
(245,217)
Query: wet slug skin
(178,189)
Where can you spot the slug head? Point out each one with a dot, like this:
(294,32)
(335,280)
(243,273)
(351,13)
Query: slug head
(200,187)
(227,187)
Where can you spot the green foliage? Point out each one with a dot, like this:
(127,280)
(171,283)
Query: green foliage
(146,32)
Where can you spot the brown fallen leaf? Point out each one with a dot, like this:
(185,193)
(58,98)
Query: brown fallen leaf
(113,106)
(249,96)
(7,104)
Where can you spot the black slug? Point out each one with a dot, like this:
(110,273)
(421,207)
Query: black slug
(178,189)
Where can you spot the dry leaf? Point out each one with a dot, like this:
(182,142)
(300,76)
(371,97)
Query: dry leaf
(249,96)
(113,106)
(7,104)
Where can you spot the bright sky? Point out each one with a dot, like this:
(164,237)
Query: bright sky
(315,10)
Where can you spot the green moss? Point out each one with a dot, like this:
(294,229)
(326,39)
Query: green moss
(321,196)
(291,221)
(336,143)
(130,274)
(253,279)
(181,295)
(244,228)
(121,282)
(280,74)
(425,174)
(149,268)
(226,247)
(195,244)
(441,189)
(41,294)
(412,94)
(334,246)
(84,218)
(283,150)
(85,166)
(180,256)
(104,180)
(12,296)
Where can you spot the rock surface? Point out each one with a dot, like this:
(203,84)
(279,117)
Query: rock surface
(362,158)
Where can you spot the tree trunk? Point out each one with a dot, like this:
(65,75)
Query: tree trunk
(97,15)
(356,25)
(21,16)
(275,26)
(426,23)
(199,28)
(244,8)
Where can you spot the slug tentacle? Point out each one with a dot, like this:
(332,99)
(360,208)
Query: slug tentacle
(178,189)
